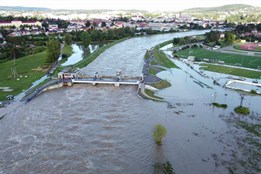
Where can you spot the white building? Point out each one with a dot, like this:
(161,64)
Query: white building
(18,23)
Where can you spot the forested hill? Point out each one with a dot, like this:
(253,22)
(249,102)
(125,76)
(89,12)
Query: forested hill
(232,13)
(19,8)
(225,8)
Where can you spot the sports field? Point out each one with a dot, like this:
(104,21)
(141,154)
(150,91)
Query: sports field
(229,59)
(249,46)
(232,71)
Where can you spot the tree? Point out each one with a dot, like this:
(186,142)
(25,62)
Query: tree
(53,50)
(88,24)
(176,41)
(103,24)
(212,36)
(86,39)
(229,37)
(159,132)
(68,39)
(94,24)
(258,27)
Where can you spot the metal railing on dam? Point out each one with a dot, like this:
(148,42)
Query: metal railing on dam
(107,81)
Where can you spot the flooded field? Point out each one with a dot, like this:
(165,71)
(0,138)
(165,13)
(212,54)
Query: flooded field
(107,129)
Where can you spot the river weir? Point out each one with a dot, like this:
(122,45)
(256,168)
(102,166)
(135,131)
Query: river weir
(107,129)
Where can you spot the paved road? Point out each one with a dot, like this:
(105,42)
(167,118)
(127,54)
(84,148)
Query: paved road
(148,78)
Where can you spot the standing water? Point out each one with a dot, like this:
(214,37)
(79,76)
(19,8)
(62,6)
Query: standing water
(79,52)
(104,129)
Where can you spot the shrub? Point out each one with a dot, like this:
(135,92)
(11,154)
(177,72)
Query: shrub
(242,110)
(165,168)
(253,91)
(159,132)
(220,105)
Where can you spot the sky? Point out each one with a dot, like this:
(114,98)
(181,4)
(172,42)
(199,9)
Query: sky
(149,5)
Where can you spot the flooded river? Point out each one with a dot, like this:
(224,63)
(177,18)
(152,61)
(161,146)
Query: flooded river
(127,56)
(105,129)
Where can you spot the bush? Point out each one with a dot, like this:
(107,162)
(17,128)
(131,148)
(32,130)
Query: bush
(165,168)
(64,56)
(159,132)
(242,110)
(220,105)
(253,91)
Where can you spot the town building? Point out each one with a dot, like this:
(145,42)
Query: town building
(18,23)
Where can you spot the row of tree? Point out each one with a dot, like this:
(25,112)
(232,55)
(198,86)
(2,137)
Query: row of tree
(185,40)
(215,37)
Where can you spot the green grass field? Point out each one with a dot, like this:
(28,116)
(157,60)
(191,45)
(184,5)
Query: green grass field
(33,66)
(146,56)
(67,50)
(162,59)
(231,71)
(230,59)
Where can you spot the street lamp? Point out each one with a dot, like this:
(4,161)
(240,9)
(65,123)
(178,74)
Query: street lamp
(242,97)
(214,95)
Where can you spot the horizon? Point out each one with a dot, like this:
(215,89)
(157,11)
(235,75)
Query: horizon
(154,5)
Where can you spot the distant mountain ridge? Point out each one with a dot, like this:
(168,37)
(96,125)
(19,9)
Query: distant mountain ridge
(231,7)
(20,8)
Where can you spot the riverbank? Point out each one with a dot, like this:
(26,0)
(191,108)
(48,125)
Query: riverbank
(27,70)
(155,61)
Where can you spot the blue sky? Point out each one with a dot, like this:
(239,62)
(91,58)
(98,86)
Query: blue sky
(150,5)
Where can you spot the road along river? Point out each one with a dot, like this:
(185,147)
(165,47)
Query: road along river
(104,129)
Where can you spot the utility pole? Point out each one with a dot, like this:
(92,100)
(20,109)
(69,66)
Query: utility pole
(13,69)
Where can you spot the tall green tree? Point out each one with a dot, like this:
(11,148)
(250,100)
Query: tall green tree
(229,37)
(88,24)
(53,50)
(68,39)
(86,39)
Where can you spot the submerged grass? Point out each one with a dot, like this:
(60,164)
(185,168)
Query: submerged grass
(161,85)
(251,128)
(151,94)
(224,106)
(232,71)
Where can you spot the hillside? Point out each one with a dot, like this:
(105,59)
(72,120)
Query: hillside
(225,8)
(231,13)
(19,8)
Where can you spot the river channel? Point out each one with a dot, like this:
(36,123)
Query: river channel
(107,129)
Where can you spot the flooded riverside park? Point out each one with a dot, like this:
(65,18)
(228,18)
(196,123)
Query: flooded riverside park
(107,129)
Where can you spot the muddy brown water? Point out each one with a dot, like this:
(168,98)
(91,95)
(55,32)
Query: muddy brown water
(105,129)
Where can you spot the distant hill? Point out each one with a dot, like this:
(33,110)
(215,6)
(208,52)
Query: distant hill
(231,7)
(231,13)
(19,8)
